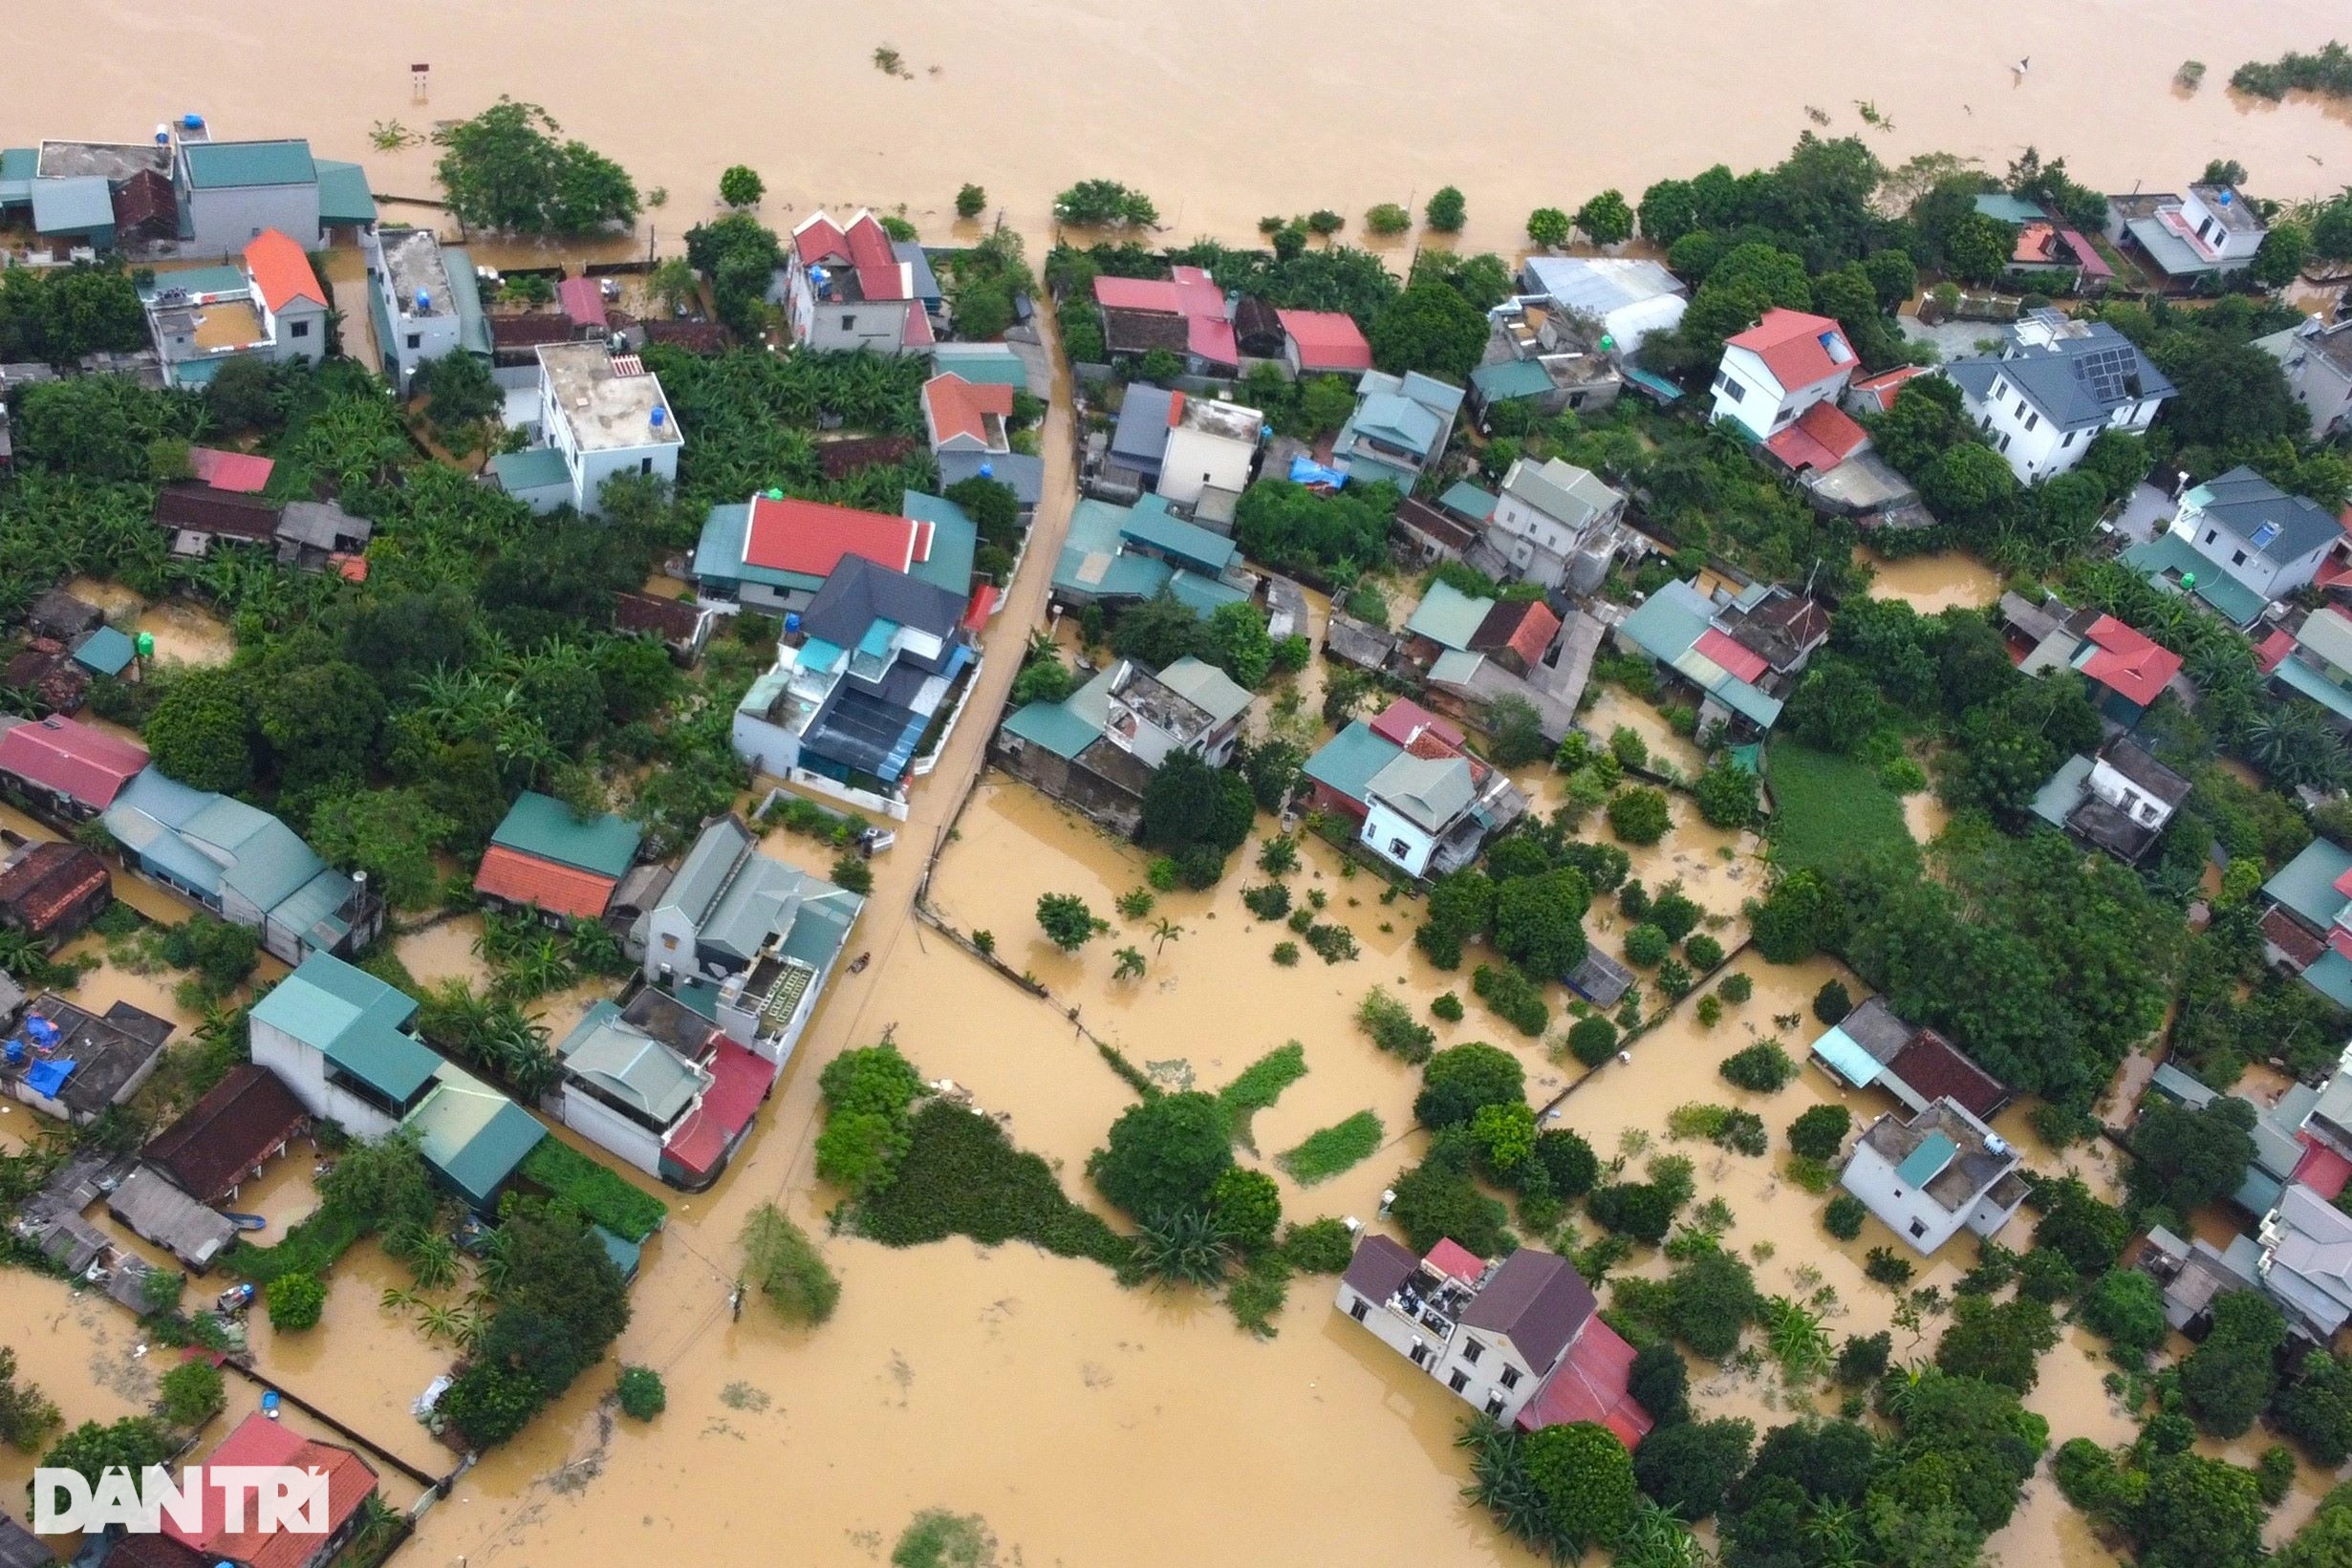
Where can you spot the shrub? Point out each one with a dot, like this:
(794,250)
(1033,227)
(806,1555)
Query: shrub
(1863,1359)
(1332,1150)
(1437,1200)
(601,1193)
(1820,1134)
(1067,921)
(1843,1216)
(1660,1382)
(1134,904)
(642,1394)
(1270,902)
(1639,815)
(1446,212)
(962,1176)
(1286,953)
(1646,945)
(1164,1154)
(296,1301)
(1332,943)
(1626,746)
(1592,1041)
(1160,870)
(1710,1012)
(1764,1067)
(851,874)
(1703,951)
(1512,995)
(1448,1007)
(1884,1266)
(1674,980)
(190,1394)
(1674,912)
(1832,1002)
(786,1266)
(1735,988)
(1246,1206)
(1320,1246)
(1387,218)
(1461,1079)
(1392,1026)
(971,200)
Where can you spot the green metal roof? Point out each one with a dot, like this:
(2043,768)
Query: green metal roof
(955,539)
(2302,678)
(2306,885)
(215,165)
(1466,499)
(2331,976)
(80,206)
(355,1020)
(1206,687)
(343,196)
(1427,791)
(472,1135)
(2224,594)
(534,469)
(1150,523)
(2055,800)
(977,365)
(2010,209)
(719,555)
(106,651)
(544,826)
(1512,378)
(1920,1165)
(465,295)
(17,167)
(1202,595)
(1346,762)
(1063,727)
(1447,616)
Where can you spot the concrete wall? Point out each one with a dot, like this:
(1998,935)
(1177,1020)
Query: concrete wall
(767,746)
(1384,828)
(1103,801)
(608,1128)
(1479,1381)
(228,219)
(299,331)
(304,1068)
(1921,1221)
(591,469)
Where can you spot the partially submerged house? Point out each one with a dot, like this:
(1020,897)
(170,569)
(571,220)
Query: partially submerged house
(1628,299)
(1927,1177)
(2118,800)
(606,415)
(773,552)
(544,858)
(2318,361)
(1874,1048)
(1555,524)
(272,308)
(242,1122)
(67,1061)
(1324,343)
(2306,1263)
(241,864)
(880,654)
(2127,669)
(1114,555)
(1185,314)
(157,1212)
(743,939)
(844,288)
(227,1528)
(1741,653)
(1778,368)
(64,769)
(1097,748)
(1401,425)
(1521,1340)
(674,1101)
(2307,923)
(424,300)
(1421,801)
(1551,359)
(50,891)
(2210,231)
(2056,384)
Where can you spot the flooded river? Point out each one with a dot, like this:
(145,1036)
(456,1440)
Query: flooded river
(1026,98)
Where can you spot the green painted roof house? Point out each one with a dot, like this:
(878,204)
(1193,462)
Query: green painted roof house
(543,827)
(472,1136)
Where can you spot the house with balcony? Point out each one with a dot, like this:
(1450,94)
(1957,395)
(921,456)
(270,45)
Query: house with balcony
(2056,384)
(424,300)
(661,1088)
(2238,544)
(745,940)
(1422,802)
(1778,368)
(271,307)
(1401,425)
(1097,748)
(844,288)
(2318,361)
(1556,525)
(2208,231)
(2118,800)
(2313,658)
(879,658)
(1521,1340)
(1931,1175)
(773,552)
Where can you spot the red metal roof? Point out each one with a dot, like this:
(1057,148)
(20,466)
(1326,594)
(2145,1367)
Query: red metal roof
(1403,719)
(281,273)
(810,537)
(983,604)
(1822,437)
(2086,255)
(1451,1257)
(1326,340)
(958,408)
(2322,1168)
(240,473)
(1211,338)
(1936,1070)
(582,300)
(740,1080)
(1881,388)
(1746,663)
(818,238)
(1156,294)
(519,878)
(1590,1385)
(70,758)
(2270,651)
(2128,662)
(1795,347)
(259,1440)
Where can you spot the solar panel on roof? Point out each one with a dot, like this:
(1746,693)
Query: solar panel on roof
(2107,371)
(2263,535)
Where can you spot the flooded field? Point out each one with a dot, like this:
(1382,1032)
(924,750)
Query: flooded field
(1929,583)
(1075,79)
(190,634)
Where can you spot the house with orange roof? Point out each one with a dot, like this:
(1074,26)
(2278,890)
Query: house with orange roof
(546,859)
(293,303)
(845,286)
(962,417)
(228,1529)
(270,306)
(1778,368)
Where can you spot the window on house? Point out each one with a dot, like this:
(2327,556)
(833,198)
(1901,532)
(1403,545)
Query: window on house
(1458,1382)
(1510,1377)
(1731,387)
(2004,443)
(299,328)
(1420,1355)
(2239,559)
(849,323)
(1494,1405)
(669,941)
(1360,1311)
(415,340)
(1785,416)
(1919,1226)
(2069,440)
(2020,405)
(1472,1350)
(2211,534)
(1397,846)
(2032,421)
(645,465)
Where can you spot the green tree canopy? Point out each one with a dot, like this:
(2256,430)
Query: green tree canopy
(1163,1156)
(1457,1081)
(505,170)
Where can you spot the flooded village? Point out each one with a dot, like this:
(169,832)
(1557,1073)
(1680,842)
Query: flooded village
(883,854)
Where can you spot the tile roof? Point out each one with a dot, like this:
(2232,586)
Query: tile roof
(813,537)
(1592,1385)
(1451,1257)
(672,620)
(2127,661)
(1881,388)
(1821,436)
(1798,349)
(1524,626)
(559,890)
(143,201)
(259,1440)
(1537,1301)
(44,882)
(546,828)
(224,1136)
(281,273)
(958,407)
(202,509)
(239,473)
(1935,1067)
(86,764)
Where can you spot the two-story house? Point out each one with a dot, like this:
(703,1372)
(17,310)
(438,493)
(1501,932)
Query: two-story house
(1547,515)
(2318,361)
(1521,1340)
(1185,314)
(2118,800)
(1546,358)
(2250,530)
(1422,802)
(743,939)
(845,288)
(1401,424)
(1778,368)
(2210,230)
(1927,1177)
(773,552)
(606,414)
(345,1043)
(1212,446)
(2057,383)
(424,300)
(1098,749)
(293,302)
(661,1086)
(231,192)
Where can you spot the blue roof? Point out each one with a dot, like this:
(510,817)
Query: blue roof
(1466,499)
(1347,763)
(105,651)
(353,1018)
(1920,1167)
(1399,420)
(1150,523)
(344,200)
(2294,672)
(1512,378)
(79,206)
(17,166)
(1204,596)
(2306,885)
(1846,1057)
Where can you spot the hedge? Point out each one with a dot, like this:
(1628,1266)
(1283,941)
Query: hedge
(962,1176)
(597,1191)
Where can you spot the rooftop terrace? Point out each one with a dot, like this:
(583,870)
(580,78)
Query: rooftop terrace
(610,401)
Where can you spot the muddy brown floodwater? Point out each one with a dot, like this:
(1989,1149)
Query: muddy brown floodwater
(1181,99)
(1929,583)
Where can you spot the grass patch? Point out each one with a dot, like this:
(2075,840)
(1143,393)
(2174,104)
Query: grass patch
(961,1176)
(1829,812)
(1328,1153)
(596,1190)
(309,1247)
(1261,1082)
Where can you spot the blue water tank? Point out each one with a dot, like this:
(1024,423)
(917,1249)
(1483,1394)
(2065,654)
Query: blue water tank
(988,470)
(424,300)
(660,416)
(192,122)
(792,620)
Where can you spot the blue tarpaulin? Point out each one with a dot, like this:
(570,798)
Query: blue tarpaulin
(46,1078)
(1307,471)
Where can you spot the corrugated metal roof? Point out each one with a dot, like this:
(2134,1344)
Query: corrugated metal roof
(1346,762)
(343,198)
(542,469)
(1206,687)
(2307,884)
(1920,1165)
(1846,1057)
(1448,616)
(214,165)
(473,1135)
(74,207)
(625,1063)
(542,825)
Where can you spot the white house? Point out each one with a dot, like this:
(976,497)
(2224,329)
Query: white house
(2318,361)
(2055,385)
(1521,1340)
(1211,445)
(1629,299)
(293,303)
(424,299)
(341,1041)
(1927,1177)
(1778,368)
(1547,513)
(660,1086)
(2256,534)
(844,287)
(1429,815)
(606,414)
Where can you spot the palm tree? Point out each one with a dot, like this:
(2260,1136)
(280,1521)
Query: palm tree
(1183,1248)
(1163,932)
(1130,966)
(397,1300)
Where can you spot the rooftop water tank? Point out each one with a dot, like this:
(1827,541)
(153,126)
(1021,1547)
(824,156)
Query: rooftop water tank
(660,416)
(792,620)
(163,136)
(424,300)
(988,470)
(192,122)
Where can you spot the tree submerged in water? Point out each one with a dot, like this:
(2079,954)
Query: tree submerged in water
(504,169)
